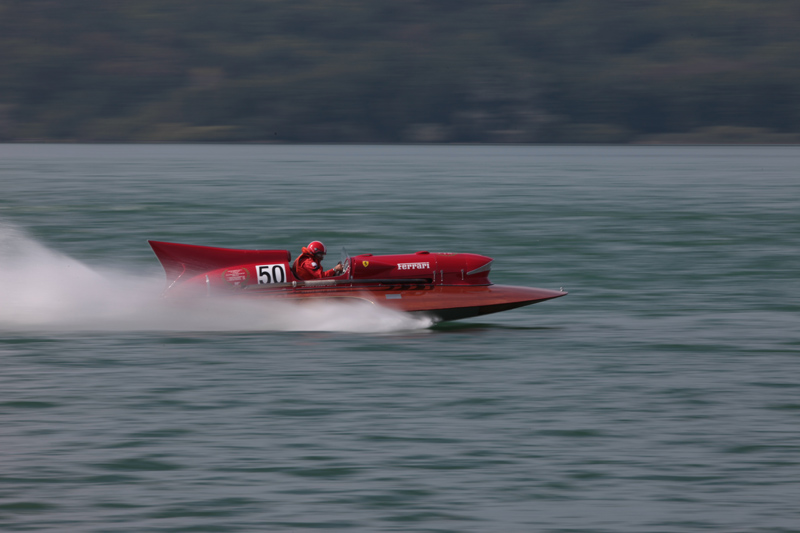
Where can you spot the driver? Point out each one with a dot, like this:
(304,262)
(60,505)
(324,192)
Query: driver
(308,265)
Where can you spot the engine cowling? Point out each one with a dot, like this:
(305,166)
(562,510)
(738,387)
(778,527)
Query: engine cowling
(436,268)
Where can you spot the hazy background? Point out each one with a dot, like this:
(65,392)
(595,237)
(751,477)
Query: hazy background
(400,71)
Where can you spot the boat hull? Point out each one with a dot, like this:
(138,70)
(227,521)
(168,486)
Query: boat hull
(441,285)
(440,302)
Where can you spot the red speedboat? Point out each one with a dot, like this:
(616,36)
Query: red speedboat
(444,286)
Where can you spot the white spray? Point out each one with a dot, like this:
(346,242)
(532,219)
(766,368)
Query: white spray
(42,290)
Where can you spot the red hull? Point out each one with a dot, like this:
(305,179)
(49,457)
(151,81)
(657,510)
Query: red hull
(443,286)
(438,302)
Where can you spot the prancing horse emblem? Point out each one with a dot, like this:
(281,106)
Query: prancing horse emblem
(365,263)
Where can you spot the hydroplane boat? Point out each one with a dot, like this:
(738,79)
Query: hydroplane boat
(443,286)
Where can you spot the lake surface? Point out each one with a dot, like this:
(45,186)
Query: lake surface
(661,395)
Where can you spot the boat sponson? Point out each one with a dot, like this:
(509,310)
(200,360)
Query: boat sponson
(456,302)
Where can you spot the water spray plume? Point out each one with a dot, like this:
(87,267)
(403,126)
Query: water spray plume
(43,290)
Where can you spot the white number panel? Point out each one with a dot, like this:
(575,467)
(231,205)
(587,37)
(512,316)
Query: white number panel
(271,274)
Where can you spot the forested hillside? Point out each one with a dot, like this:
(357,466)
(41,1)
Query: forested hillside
(549,71)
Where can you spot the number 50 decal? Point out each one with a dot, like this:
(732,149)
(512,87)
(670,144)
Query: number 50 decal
(271,274)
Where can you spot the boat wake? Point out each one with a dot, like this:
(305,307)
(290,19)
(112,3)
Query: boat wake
(43,290)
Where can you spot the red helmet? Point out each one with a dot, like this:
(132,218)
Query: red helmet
(317,248)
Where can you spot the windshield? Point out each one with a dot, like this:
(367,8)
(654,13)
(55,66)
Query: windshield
(345,261)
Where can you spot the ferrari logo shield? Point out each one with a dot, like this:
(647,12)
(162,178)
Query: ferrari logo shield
(365,263)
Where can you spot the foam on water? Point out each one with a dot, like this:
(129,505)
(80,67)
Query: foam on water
(41,289)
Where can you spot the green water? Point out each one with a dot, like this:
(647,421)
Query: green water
(660,395)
